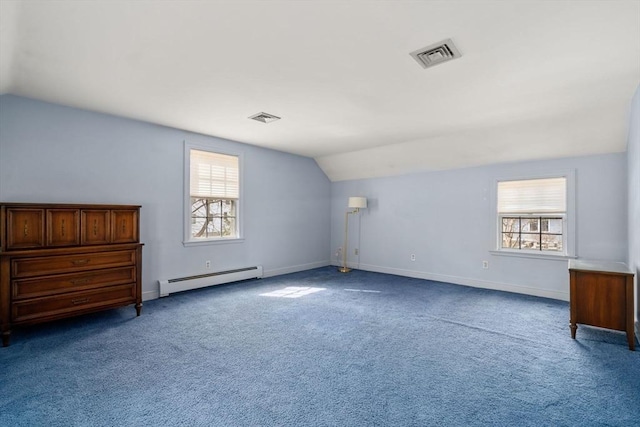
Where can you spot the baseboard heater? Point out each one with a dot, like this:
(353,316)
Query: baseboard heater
(180,284)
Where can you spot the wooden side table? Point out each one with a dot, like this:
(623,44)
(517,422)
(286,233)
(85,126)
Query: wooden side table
(601,294)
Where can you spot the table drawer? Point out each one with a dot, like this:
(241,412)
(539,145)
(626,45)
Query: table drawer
(40,266)
(61,283)
(63,305)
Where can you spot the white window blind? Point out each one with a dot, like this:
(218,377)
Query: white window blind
(547,195)
(213,175)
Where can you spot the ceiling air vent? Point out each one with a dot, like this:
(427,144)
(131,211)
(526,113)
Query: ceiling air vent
(436,54)
(265,117)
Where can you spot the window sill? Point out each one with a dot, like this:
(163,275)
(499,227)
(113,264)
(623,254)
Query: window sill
(521,254)
(212,242)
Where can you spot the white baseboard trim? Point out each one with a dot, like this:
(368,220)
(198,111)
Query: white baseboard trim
(295,268)
(149,295)
(476,283)
(638,331)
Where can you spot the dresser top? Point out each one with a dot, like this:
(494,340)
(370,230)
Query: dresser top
(599,266)
(67,205)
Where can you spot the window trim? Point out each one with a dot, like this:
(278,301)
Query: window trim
(569,221)
(186,220)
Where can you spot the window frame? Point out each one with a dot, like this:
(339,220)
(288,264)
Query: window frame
(568,223)
(188,240)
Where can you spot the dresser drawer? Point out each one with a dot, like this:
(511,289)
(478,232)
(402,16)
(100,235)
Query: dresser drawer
(74,302)
(63,227)
(40,266)
(25,228)
(61,283)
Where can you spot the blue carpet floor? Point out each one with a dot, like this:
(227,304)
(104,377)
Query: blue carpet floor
(368,350)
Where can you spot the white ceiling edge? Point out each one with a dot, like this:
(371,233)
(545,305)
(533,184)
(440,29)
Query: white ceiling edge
(510,143)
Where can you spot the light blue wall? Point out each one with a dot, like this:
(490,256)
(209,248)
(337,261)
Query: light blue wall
(633,158)
(50,153)
(447,220)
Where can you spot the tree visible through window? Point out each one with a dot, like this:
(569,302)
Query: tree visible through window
(537,233)
(532,214)
(214,195)
(212,217)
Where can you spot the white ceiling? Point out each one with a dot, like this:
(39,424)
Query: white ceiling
(537,79)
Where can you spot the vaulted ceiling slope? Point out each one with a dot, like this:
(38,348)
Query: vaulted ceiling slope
(537,79)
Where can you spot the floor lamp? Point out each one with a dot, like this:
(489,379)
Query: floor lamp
(355,203)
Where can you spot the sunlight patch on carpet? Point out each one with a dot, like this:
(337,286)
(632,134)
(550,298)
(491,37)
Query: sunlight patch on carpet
(293,292)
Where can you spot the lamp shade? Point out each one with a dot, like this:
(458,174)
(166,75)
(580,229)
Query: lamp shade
(358,202)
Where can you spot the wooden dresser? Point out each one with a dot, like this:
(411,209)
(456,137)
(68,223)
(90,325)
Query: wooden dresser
(62,260)
(601,294)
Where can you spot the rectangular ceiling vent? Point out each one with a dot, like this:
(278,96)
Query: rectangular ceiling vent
(436,53)
(265,117)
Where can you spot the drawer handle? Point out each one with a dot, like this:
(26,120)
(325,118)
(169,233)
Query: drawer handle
(80,261)
(95,227)
(79,281)
(124,228)
(79,301)
(26,229)
(62,228)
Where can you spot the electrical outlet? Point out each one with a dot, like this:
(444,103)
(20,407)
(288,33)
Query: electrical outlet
(485,264)
(207,264)
(413,257)
(356,251)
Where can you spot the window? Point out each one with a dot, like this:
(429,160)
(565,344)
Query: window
(214,195)
(212,218)
(532,215)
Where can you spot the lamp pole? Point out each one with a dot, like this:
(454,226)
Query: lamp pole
(356,203)
(344,268)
